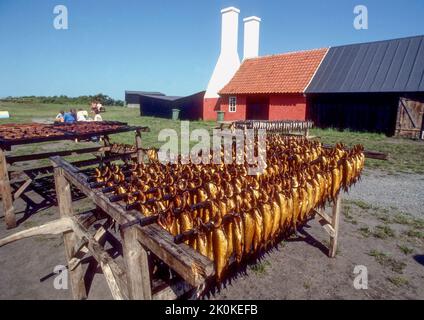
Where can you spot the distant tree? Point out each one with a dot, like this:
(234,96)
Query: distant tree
(63,99)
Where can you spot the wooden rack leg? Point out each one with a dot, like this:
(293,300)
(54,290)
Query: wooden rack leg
(6,193)
(137,266)
(140,152)
(64,198)
(335,224)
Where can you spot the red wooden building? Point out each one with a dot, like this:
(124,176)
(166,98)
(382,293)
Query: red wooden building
(270,87)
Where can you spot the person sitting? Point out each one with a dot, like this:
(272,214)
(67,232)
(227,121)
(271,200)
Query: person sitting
(99,106)
(68,117)
(74,113)
(93,106)
(82,115)
(97,116)
(59,117)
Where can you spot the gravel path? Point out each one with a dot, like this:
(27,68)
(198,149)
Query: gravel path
(404,192)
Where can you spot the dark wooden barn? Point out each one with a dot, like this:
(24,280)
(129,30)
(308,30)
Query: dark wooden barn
(157,104)
(376,87)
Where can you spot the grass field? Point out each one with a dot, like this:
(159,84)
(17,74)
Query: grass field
(404,155)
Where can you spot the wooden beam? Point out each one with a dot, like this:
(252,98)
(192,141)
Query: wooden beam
(21,189)
(87,218)
(80,163)
(137,265)
(163,291)
(83,250)
(46,155)
(188,263)
(335,225)
(6,193)
(407,112)
(375,155)
(111,278)
(71,136)
(327,227)
(140,152)
(323,215)
(64,198)
(368,153)
(114,275)
(54,227)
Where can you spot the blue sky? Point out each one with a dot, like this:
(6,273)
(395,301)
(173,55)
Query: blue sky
(167,45)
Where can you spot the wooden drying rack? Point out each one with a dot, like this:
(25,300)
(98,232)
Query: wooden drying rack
(135,282)
(8,197)
(133,279)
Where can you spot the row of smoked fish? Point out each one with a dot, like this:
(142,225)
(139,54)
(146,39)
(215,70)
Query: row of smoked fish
(223,212)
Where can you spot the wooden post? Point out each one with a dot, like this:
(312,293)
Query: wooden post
(64,199)
(6,192)
(335,224)
(137,266)
(140,152)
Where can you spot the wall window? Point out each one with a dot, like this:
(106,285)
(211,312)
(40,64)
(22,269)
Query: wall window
(232,102)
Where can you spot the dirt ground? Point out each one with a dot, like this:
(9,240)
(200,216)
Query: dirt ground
(382,228)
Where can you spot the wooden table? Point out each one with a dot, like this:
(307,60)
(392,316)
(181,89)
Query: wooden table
(9,197)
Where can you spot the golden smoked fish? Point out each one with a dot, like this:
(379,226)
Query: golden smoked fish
(220,251)
(229,230)
(283,210)
(249,231)
(267,221)
(276,219)
(258,235)
(238,235)
(202,243)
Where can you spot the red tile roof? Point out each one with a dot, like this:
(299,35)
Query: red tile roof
(282,73)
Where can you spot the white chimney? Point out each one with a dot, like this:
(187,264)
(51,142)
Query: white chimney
(228,61)
(251,37)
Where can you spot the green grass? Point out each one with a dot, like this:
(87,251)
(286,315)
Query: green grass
(359,203)
(406,250)
(398,281)
(383,232)
(260,268)
(307,285)
(412,233)
(402,219)
(386,261)
(348,217)
(378,255)
(387,216)
(404,155)
(31,112)
(365,231)
(22,113)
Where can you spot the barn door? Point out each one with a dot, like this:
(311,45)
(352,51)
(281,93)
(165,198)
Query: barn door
(257,108)
(410,122)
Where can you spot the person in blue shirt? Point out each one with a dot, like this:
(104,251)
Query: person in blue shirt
(68,117)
